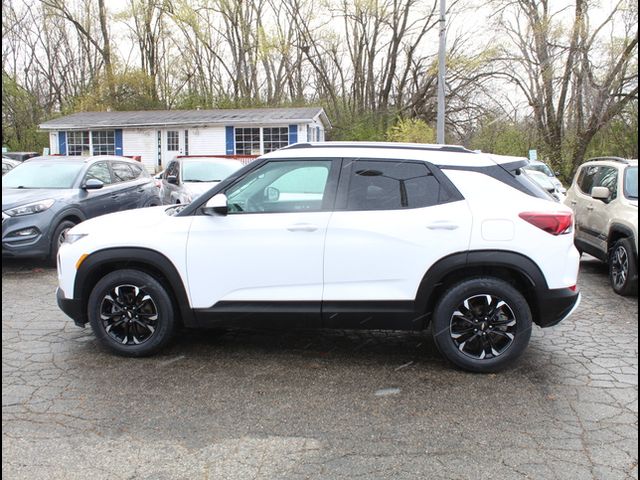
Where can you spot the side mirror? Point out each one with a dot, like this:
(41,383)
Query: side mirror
(216,205)
(271,194)
(600,193)
(172,179)
(93,184)
(557,174)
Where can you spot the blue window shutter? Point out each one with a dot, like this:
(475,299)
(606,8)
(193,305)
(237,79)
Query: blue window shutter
(62,143)
(293,134)
(230,140)
(118,138)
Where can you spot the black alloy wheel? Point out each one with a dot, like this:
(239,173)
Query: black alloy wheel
(623,268)
(131,313)
(482,324)
(128,314)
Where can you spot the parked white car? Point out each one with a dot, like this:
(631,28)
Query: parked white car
(185,178)
(538,166)
(546,183)
(337,235)
(604,197)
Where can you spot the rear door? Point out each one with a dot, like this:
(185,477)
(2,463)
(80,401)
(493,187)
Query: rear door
(129,188)
(393,220)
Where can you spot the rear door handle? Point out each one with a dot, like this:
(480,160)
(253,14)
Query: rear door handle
(573,202)
(443,225)
(302,227)
(590,207)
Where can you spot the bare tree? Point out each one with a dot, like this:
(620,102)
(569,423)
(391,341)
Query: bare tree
(573,88)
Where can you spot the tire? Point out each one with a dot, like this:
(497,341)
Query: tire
(57,239)
(623,268)
(482,324)
(131,313)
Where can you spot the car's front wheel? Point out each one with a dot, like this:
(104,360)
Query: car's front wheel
(623,268)
(131,313)
(58,238)
(482,324)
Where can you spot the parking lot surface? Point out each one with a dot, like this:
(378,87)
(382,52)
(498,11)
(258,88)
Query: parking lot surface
(297,405)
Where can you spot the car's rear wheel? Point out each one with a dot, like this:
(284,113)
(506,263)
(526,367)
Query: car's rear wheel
(482,324)
(623,268)
(131,313)
(58,238)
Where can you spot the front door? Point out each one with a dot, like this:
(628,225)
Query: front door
(173,145)
(267,252)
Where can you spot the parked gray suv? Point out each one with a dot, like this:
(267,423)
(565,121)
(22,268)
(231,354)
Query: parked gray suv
(44,197)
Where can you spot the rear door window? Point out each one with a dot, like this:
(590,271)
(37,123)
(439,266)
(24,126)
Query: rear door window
(122,172)
(385,185)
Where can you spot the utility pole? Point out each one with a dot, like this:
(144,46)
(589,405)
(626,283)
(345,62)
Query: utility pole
(442,72)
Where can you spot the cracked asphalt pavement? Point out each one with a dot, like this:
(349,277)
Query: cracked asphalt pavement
(264,405)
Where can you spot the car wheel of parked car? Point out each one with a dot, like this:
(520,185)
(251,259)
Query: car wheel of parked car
(131,313)
(482,324)
(58,238)
(623,268)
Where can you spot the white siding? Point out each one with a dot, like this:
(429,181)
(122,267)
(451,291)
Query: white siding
(141,142)
(207,141)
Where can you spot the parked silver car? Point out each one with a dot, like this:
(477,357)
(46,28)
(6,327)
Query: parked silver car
(538,166)
(187,177)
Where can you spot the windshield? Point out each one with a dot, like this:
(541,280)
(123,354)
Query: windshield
(194,171)
(42,175)
(631,183)
(540,167)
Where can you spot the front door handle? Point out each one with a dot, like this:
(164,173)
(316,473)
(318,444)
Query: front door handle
(442,225)
(590,207)
(573,202)
(302,227)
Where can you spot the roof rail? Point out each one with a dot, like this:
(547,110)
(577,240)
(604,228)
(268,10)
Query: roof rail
(613,159)
(400,146)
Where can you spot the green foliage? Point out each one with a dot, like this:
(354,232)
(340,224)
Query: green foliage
(364,127)
(21,114)
(619,138)
(503,138)
(411,130)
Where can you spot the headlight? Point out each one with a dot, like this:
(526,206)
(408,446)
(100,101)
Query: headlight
(30,208)
(74,237)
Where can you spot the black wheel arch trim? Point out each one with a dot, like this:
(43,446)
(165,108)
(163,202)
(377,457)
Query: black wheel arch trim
(619,228)
(132,257)
(458,262)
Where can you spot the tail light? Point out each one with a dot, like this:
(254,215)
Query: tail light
(553,223)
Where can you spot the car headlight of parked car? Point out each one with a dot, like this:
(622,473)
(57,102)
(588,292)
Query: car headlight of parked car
(30,208)
(74,237)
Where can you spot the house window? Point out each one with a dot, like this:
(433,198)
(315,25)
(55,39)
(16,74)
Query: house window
(247,141)
(78,144)
(275,138)
(173,141)
(103,142)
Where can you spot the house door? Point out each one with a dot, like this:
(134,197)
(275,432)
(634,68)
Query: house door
(173,145)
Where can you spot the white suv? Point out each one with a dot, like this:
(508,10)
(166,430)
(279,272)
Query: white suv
(336,235)
(604,196)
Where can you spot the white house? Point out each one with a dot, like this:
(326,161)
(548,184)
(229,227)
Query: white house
(157,136)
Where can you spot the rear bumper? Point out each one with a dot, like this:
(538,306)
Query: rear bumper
(556,305)
(72,307)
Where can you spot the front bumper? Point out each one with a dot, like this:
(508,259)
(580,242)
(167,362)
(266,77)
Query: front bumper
(35,244)
(556,305)
(72,307)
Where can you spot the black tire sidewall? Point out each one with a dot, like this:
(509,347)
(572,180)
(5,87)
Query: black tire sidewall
(450,301)
(166,320)
(630,285)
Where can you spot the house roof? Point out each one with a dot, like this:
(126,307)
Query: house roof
(161,118)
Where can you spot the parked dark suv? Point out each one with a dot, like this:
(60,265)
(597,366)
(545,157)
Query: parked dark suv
(44,197)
